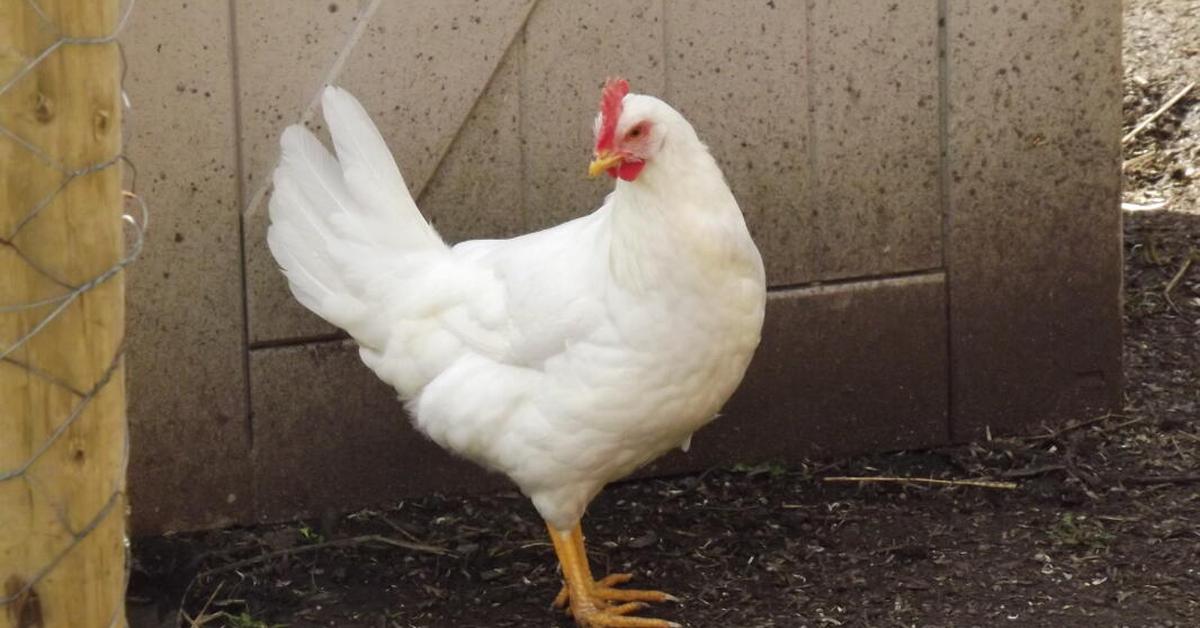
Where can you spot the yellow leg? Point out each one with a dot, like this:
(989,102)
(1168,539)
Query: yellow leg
(589,599)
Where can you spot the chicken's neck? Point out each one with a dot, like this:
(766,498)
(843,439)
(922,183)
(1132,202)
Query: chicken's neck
(679,225)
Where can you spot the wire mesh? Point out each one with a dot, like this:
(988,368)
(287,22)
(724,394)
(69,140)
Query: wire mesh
(51,308)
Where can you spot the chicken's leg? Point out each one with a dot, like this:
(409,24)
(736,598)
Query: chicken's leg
(589,599)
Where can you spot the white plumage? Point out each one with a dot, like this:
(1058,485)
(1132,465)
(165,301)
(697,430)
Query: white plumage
(563,358)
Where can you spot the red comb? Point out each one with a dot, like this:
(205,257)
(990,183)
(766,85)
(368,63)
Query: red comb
(610,111)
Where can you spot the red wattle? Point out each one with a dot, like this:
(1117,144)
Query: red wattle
(628,170)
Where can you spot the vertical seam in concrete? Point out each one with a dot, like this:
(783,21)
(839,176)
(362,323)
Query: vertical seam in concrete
(239,161)
(943,52)
(249,208)
(522,145)
(1118,167)
(810,114)
(522,61)
(666,53)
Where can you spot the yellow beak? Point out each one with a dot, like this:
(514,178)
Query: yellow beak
(602,162)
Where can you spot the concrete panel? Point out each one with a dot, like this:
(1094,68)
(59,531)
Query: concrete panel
(317,407)
(842,370)
(874,152)
(424,66)
(418,67)
(187,391)
(476,192)
(738,71)
(1034,242)
(863,366)
(570,47)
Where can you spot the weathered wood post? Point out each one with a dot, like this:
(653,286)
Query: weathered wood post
(62,401)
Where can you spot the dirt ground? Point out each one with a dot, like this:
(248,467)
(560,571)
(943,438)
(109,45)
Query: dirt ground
(1104,529)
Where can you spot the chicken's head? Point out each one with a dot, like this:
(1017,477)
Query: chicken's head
(627,135)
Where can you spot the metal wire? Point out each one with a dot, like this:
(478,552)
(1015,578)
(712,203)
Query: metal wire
(136,220)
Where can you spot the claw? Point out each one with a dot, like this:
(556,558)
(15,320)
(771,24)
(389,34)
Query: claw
(603,589)
(598,603)
(609,619)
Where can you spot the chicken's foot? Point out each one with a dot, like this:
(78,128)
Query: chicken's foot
(588,600)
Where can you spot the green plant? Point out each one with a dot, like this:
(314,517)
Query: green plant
(310,535)
(1075,531)
(771,469)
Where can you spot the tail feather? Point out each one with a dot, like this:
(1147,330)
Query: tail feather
(308,187)
(330,218)
(357,252)
(371,174)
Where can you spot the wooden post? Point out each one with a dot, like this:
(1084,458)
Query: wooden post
(62,519)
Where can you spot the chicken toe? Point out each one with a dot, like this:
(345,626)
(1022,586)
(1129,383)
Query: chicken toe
(589,600)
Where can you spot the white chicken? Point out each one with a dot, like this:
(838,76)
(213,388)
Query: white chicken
(565,358)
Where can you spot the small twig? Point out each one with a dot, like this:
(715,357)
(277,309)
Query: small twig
(1183,268)
(181,614)
(975,483)
(1029,472)
(1118,518)
(1070,428)
(1137,161)
(202,616)
(1186,478)
(897,547)
(395,526)
(355,540)
(1078,472)
(1141,126)
(1124,424)
(1188,436)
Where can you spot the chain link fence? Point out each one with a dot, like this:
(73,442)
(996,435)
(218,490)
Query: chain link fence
(37,473)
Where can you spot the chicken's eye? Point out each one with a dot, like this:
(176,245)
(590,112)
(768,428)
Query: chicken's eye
(635,132)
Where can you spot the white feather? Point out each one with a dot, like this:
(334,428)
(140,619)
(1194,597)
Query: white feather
(372,176)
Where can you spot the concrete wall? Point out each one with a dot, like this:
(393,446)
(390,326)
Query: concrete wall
(933,183)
